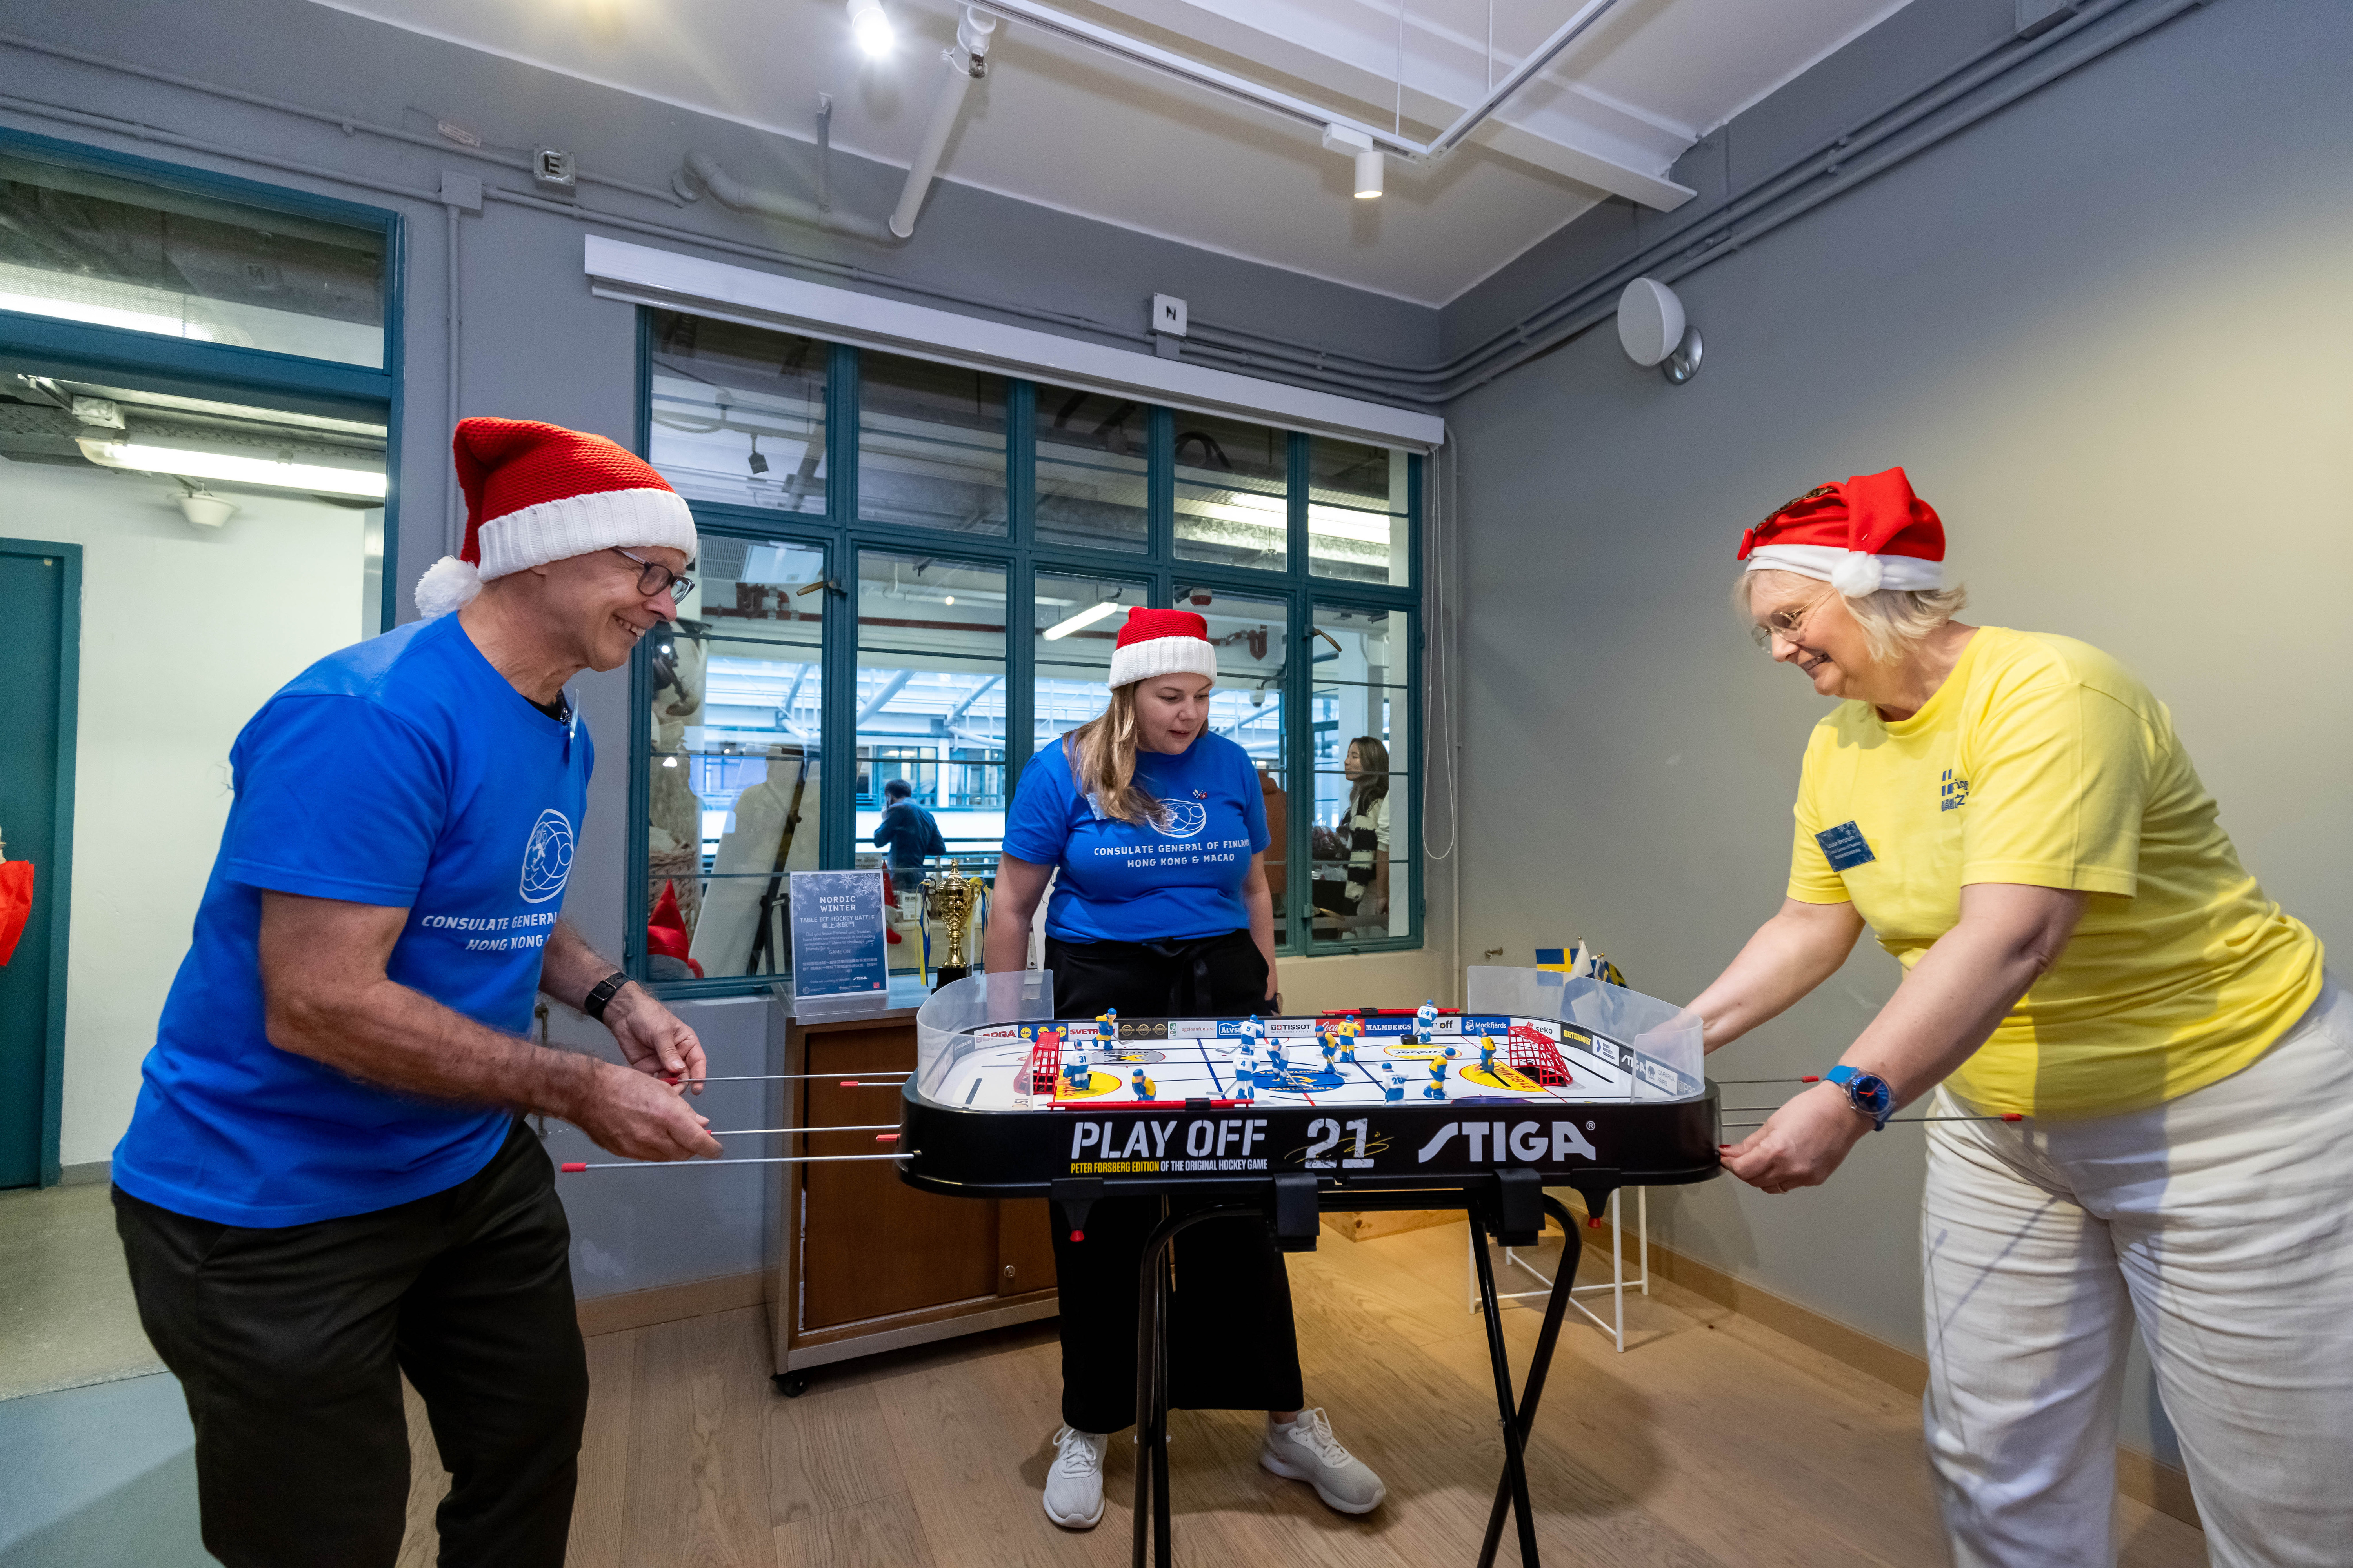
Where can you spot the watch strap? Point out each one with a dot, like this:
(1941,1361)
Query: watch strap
(602,994)
(1870,1094)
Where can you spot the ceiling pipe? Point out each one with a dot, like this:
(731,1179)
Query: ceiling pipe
(966,63)
(705,170)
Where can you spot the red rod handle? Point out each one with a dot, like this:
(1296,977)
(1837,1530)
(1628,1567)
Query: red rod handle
(574,1165)
(886,1137)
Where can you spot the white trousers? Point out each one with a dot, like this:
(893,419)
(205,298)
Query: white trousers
(2222,1224)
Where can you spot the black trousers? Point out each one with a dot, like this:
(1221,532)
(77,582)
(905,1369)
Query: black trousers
(1231,1343)
(289,1343)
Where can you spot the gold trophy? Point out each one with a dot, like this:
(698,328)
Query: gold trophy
(949,898)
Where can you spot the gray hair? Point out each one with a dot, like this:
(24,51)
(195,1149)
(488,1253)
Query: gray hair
(1894,621)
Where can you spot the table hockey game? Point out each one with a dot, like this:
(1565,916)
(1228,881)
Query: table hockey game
(1545,1078)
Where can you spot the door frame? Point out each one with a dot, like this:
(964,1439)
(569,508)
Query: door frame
(54,883)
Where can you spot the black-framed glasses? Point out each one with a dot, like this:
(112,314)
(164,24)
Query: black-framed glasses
(1785,624)
(654,579)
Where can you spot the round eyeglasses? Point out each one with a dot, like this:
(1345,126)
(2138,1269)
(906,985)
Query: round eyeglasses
(654,579)
(1785,624)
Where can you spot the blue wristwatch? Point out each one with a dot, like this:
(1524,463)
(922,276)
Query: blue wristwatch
(1867,1092)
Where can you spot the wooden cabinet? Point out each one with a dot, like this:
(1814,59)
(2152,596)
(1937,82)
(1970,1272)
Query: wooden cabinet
(866,1262)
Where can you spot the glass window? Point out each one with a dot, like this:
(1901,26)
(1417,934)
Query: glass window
(731,799)
(1095,463)
(85,246)
(738,413)
(1250,636)
(1075,622)
(1357,519)
(930,717)
(1361,714)
(931,444)
(1233,485)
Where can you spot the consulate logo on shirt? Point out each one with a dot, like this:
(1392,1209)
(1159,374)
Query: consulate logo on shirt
(546,857)
(1185,819)
(1953,793)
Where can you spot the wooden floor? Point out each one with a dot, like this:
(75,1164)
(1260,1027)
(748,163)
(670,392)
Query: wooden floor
(1710,1441)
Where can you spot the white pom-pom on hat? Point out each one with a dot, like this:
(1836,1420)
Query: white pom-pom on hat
(447,585)
(1857,573)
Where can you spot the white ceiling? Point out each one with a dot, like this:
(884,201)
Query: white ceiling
(1063,125)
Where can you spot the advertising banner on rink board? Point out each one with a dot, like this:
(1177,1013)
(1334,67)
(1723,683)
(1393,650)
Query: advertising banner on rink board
(839,945)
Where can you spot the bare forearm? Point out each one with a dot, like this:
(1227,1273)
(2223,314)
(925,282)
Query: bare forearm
(385,1034)
(1947,1005)
(1005,945)
(1790,955)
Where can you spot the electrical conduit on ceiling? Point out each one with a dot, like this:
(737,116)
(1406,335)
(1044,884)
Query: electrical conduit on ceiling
(966,63)
(1797,187)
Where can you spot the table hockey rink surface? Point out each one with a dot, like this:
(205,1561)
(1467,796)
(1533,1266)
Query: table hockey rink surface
(1537,1060)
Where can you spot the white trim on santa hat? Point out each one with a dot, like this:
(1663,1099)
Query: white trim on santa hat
(1162,656)
(1851,572)
(647,519)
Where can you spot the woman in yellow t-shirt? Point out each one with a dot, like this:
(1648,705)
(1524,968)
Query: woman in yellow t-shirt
(2014,818)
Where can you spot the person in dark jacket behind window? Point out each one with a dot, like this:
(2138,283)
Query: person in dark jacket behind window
(909,832)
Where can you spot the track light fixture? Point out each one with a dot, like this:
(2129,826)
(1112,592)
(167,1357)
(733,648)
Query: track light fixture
(1369,159)
(871,25)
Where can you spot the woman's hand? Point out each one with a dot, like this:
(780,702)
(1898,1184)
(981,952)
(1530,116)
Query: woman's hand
(1799,1144)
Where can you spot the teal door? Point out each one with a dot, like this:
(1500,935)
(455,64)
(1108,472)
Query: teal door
(40,642)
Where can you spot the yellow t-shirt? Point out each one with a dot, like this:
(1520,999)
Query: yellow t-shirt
(2042,761)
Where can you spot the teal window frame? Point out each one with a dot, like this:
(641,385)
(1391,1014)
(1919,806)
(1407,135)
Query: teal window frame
(1022,555)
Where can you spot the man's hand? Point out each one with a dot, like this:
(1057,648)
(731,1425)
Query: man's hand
(1799,1144)
(639,1117)
(656,1040)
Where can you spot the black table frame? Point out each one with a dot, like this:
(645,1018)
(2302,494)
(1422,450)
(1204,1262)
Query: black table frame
(1509,1206)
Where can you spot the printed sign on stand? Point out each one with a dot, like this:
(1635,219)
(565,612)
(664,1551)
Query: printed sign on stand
(840,947)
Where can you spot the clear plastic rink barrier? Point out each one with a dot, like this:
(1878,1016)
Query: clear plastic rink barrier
(1021,996)
(1669,1056)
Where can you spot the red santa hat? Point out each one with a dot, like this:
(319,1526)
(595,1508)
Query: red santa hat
(536,493)
(1162,641)
(1869,533)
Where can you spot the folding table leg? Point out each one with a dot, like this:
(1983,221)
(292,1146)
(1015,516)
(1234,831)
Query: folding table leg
(1511,1489)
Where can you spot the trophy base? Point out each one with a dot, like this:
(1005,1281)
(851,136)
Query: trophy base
(949,973)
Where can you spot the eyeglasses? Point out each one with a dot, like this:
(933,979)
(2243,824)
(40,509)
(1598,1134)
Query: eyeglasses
(1785,624)
(654,579)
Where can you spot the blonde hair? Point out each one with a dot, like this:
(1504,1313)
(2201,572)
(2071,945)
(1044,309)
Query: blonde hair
(1101,753)
(1894,621)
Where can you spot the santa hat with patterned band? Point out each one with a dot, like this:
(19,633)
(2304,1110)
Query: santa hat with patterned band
(1869,533)
(1162,641)
(537,493)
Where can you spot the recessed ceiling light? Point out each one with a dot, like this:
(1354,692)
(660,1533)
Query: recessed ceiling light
(316,478)
(871,26)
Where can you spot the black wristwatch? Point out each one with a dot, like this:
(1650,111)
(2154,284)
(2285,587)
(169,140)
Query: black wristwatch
(602,993)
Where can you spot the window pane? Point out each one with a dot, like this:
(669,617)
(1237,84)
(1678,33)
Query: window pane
(1093,463)
(931,713)
(1233,484)
(1252,639)
(1357,512)
(84,247)
(733,772)
(1075,622)
(1362,714)
(738,413)
(931,444)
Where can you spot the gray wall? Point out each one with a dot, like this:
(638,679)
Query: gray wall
(2105,331)
(533,343)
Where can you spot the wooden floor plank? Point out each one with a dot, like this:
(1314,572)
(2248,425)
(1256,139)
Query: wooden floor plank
(879,1532)
(697,1484)
(827,1449)
(599,1518)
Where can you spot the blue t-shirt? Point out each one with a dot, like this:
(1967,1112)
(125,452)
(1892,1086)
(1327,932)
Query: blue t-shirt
(402,772)
(1121,882)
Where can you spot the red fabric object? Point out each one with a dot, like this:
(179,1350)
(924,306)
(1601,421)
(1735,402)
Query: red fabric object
(506,465)
(666,931)
(1142,626)
(15,904)
(1870,514)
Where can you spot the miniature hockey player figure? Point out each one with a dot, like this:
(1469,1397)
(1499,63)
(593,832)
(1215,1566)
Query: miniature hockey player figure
(1107,1030)
(1487,1055)
(1425,1019)
(1274,1054)
(1348,1042)
(1143,1085)
(1392,1087)
(1437,1089)
(1253,1029)
(1246,1090)
(1331,1049)
(1080,1078)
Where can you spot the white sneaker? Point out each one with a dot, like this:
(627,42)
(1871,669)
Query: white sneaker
(1305,1450)
(1074,1486)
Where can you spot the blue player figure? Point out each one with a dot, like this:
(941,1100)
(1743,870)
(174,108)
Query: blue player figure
(1143,1085)
(1437,1089)
(1393,1087)
(1274,1054)
(1425,1019)
(1245,1089)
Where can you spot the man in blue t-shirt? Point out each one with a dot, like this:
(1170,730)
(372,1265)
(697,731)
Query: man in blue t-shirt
(326,1182)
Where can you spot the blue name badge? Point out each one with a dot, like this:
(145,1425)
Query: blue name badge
(1844,848)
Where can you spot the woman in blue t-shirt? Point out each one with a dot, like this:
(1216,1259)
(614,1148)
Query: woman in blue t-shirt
(1153,832)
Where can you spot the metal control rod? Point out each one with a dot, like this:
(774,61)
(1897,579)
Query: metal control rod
(571,1165)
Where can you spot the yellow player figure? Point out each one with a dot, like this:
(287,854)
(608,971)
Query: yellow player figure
(1437,1089)
(1331,1049)
(1487,1055)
